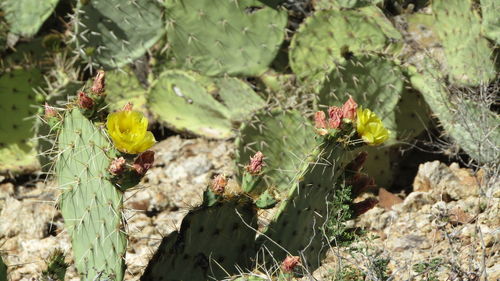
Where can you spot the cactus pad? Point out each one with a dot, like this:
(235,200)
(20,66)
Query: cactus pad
(285,138)
(3,270)
(208,107)
(17,112)
(467,53)
(238,37)
(122,86)
(329,35)
(212,243)
(114,32)
(27,16)
(490,9)
(91,205)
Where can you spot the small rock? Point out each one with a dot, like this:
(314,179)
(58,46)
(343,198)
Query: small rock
(415,200)
(387,199)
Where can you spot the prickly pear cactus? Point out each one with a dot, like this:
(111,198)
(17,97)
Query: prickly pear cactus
(3,270)
(27,16)
(114,33)
(213,242)
(122,87)
(374,82)
(349,4)
(91,205)
(467,53)
(189,102)
(286,139)
(490,9)
(17,111)
(328,36)
(474,128)
(238,37)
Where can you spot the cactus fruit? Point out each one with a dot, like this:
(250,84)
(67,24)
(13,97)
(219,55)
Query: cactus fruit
(3,270)
(490,9)
(240,37)
(208,107)
(27,16)
(114,33)
(328,36)
(90,203)
(17,111)
(467,54)
(213,241)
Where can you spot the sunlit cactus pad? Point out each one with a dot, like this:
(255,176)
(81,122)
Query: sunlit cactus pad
(238,37)
(114,32)
(27,16)
(91,205)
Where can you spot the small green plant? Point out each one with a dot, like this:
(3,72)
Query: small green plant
(428,269)
(56,267)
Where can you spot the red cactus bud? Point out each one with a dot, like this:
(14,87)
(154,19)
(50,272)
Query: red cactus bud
(144,161)
(357,163)
(320,120)
(290,263)
(364,206)
(50,111)
(256,163)
(219,184)
(99,83)
(361,183)
(335,114)
(84,101)
(349,109)
(117,166)
(128,107)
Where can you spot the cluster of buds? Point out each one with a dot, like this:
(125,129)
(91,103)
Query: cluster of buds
(290,263)
(336,116)
(88,101)
(123,171)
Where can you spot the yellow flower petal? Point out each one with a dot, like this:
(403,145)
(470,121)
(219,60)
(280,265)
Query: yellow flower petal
(128,130)
(370,128)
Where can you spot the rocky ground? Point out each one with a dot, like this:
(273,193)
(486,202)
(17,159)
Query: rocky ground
(447,228)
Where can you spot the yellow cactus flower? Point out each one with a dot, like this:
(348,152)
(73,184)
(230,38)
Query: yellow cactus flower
(129,131)
(370,127)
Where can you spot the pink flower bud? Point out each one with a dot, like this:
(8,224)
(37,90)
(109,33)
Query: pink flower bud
(144,161)
(50,111)
(349,109)
(320,120)
(256,163)
(219,184)
(84,101)
(117,166)
(99,83)
(335,114)
(290,263)
(128,107)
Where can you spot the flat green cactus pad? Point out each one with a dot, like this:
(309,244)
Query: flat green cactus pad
(189,102)
(349,4)
(3,270)
(239,37)
(114,32)
(285,138)
(474,128)
(299,223)
(467,53)
(213,242)
(27,16)
(490,9)
(122,86)
(329,35)
(91,205)
(17,112)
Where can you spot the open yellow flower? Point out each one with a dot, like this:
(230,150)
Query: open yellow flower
(370,127)
(129,131)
